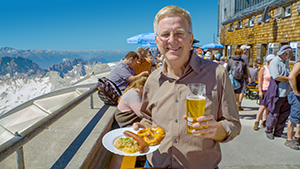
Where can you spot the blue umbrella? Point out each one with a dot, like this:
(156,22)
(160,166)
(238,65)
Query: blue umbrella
(145,39)
(212,45)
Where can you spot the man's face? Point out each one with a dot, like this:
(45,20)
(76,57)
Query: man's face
(290,54)
(177,45)
(132,62)
(246,51)
(142,56)
(284,56)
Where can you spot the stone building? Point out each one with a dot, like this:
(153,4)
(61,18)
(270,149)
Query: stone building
(265,25)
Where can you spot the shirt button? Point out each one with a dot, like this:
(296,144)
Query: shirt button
(176,101)
(175,141)
(176,121)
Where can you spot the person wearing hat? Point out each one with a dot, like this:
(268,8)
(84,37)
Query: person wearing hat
(279,71)
(199,52)
(207,56)
(264,78)
(245,49)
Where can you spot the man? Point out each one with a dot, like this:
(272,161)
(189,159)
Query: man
(163,102)
(279,71)
(245,49)
(254,75)
(218,56)
(255,66)
(199,52)
(294,100)
(123,73)
(238,69)
(143,63)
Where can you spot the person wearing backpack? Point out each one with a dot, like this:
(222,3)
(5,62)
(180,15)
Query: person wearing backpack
(237,67)
(245,49)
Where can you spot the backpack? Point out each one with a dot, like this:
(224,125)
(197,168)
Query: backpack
(237,69)
(108,91)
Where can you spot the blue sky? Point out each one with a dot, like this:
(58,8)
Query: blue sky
(92,24)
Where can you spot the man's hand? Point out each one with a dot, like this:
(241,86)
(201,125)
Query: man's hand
(250,80)
(208,124)
(296,93)
(261,94)
(210,128)
(144,73)
(138,125)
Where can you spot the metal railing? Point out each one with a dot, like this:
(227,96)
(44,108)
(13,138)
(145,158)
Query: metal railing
(251,9)
(16,143)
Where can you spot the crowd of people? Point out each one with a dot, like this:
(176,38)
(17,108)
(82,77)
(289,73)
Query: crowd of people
(278,91)
(154,90)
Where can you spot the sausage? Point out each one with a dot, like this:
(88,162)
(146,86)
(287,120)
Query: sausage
(142,144)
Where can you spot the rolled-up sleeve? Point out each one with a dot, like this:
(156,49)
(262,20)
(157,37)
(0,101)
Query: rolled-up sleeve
(229,114)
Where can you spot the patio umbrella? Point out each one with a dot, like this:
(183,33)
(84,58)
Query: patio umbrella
(212,45)
(145,39)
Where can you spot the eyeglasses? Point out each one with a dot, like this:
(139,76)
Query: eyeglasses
(177,34)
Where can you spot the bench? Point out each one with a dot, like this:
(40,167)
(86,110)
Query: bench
(128,162)
(252,92)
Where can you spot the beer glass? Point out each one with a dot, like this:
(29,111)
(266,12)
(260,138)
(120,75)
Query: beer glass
(195,104)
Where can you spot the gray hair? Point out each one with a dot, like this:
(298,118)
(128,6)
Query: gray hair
(169,11)
(140,50)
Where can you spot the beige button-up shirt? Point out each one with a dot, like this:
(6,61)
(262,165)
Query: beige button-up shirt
(164,104)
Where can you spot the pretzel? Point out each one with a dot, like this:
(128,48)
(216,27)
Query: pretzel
(152,135)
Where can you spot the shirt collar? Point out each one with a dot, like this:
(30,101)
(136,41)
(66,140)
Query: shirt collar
(123,63)
(195,63)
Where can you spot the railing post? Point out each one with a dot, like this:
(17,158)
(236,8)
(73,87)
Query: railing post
(91,101)
(20,156)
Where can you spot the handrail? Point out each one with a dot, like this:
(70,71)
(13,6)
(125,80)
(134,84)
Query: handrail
(20,139)
(250,10)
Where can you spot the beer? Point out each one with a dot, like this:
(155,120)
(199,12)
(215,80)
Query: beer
(195,107)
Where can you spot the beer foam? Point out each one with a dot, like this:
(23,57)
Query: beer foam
(195,98)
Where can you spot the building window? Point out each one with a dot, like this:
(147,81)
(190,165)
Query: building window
(241,24)
(259,18)
(230,27)
(228,51)
(296,51)
(288,11)
(252,20)
(247,23)
(279,12)
(237,25)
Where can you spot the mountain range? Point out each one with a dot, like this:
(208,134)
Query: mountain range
(45,58)
(22,78)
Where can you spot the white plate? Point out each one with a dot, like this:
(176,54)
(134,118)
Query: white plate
(110,137)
